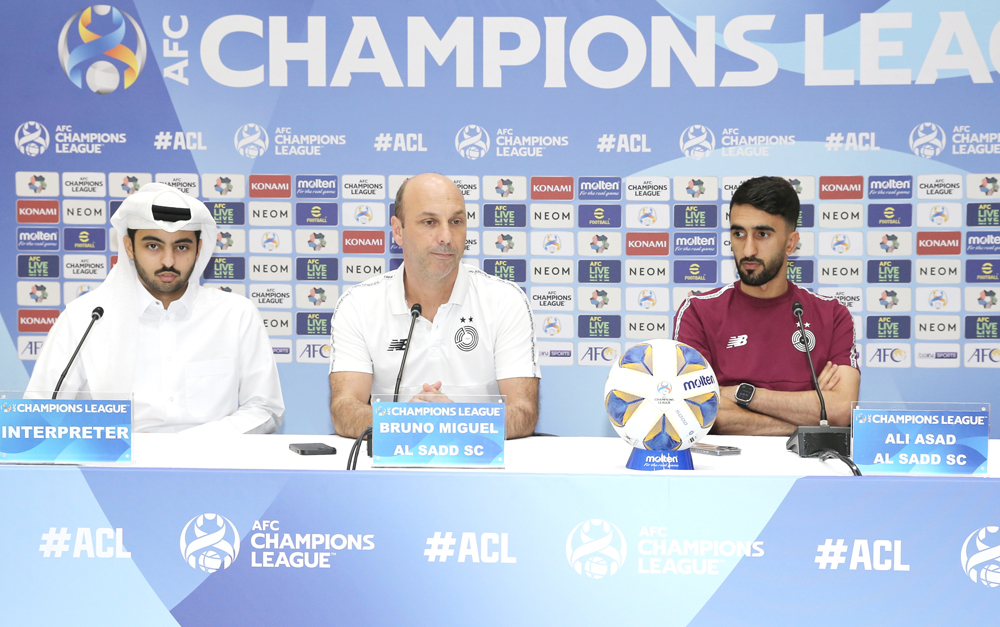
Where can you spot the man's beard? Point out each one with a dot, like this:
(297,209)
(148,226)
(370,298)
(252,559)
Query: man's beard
(164,288)
(765,273)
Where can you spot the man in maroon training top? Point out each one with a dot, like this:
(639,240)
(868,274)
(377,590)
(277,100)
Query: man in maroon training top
(748,332)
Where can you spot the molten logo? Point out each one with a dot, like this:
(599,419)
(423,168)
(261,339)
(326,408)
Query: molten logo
(703,380)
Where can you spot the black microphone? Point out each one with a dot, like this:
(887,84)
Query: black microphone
(809,441)
(352,457)
(95,315)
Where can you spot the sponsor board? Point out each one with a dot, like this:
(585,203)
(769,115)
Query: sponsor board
(552,216)
(935,271)
(895,243)
(976,355)
(841,187)
(647,216)
(316,268)
(219,186)
(982,270)
(505,215)
(90,184)
(36,184)
(804,186)
(468,185)
(271,295)
(504,188)
(312,351)
(937,299)
(318,241)
(696,188)
(282,350)
(982,298)
(38,293)
(229,241)
(554,326)
(78,239)
(937,327)
(277,322)
(841,243)
(264,213)
(889,299)
(592,326)
(270,268)
(796,270)
(316,214)
(937,355)
(647,188)
(700,271)
(222,268)
(849,297)
(696,216)
(357,269)
(600,244)
(982,242)
(647,299)
(363,242)
(551,188)
(316,296)
(602,354)
(890,187)
(182,182)
(730,184)
(363,187)
(552,298)
(599,298)
(507,242)
(838,271)
(85,267)
(37,239)
(939,242)
(599,188)
(228,213)
(841,216)
(29,347)
(639,327)
(982,327)
(122,184)
(472,244)
(939,186)
(939,215)
(898,215)
(84,211)
(888,355)
(982,214)
(552,243)
(363,215)
(599,271)
(982,186)
(36,320)
(313,323)
(516,270)
(699,244)
(38,211)
(270,241)
(888,328)
(319,186)
(599,216)
(555,353)
(650,243)
(889,270)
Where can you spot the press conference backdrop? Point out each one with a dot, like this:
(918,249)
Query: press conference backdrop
(597,146)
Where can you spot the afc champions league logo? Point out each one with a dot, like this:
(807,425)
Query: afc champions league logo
(472,142)
(251,140)
(596,548)
(981,556)
(31,138)
(697,142)
(99,34)
(927,140)
(210,542)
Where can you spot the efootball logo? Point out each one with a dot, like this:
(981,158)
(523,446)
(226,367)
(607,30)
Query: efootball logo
(97,43)
(927,140)
(31,138)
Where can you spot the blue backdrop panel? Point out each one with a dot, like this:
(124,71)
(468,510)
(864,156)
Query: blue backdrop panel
(593,142)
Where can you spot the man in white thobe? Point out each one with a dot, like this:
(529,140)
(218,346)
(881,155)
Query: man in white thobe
(195,358)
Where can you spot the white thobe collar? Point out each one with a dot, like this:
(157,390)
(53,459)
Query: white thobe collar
(182,307)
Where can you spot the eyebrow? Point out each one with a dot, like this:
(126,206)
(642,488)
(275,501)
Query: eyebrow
(153,238)
(759,227)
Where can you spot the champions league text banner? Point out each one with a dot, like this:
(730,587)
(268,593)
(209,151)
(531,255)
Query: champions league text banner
(596,146)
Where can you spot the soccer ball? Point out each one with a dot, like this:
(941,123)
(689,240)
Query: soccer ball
(662,395)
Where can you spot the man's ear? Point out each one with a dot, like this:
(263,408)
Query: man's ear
(128,248)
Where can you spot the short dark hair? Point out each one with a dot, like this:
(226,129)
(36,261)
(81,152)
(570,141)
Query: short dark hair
(131,236)
(398,203)
(770,194)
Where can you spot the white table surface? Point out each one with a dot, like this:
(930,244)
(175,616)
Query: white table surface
(761,456)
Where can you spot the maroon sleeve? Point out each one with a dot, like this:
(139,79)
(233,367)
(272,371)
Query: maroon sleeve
(688,328)
(843,351)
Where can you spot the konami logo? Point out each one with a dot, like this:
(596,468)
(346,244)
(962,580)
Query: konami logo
(939,243)
(841,187)
(36,320)
(270,186)
(364,242)
(647,244)
(38,211)
(552,188)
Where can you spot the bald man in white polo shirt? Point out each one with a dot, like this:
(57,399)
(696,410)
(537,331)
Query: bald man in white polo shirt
(475,336)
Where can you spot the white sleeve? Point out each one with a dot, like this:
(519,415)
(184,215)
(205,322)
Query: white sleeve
(261,405)
(516,353)
(348,349)
(57,348)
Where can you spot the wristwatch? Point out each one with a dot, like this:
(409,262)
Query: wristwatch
(744,394)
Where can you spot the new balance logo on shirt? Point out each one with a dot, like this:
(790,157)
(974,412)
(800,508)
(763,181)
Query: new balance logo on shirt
(397,345)
(737,340)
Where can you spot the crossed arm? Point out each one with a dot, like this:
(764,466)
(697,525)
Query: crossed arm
(779,413)
(351,413)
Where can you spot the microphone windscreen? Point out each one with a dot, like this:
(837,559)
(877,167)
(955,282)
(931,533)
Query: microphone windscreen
(416,310)
(797,308)
(98,313)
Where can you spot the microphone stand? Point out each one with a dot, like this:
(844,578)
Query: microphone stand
(95,315)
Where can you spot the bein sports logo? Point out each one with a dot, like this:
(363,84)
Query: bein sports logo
(596,548)
(102,75)
(251,140)
(927,140)
(981,561)
(210,542)
(472,142)
(31,138)
(697,142)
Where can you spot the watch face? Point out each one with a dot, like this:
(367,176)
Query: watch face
(744,392)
